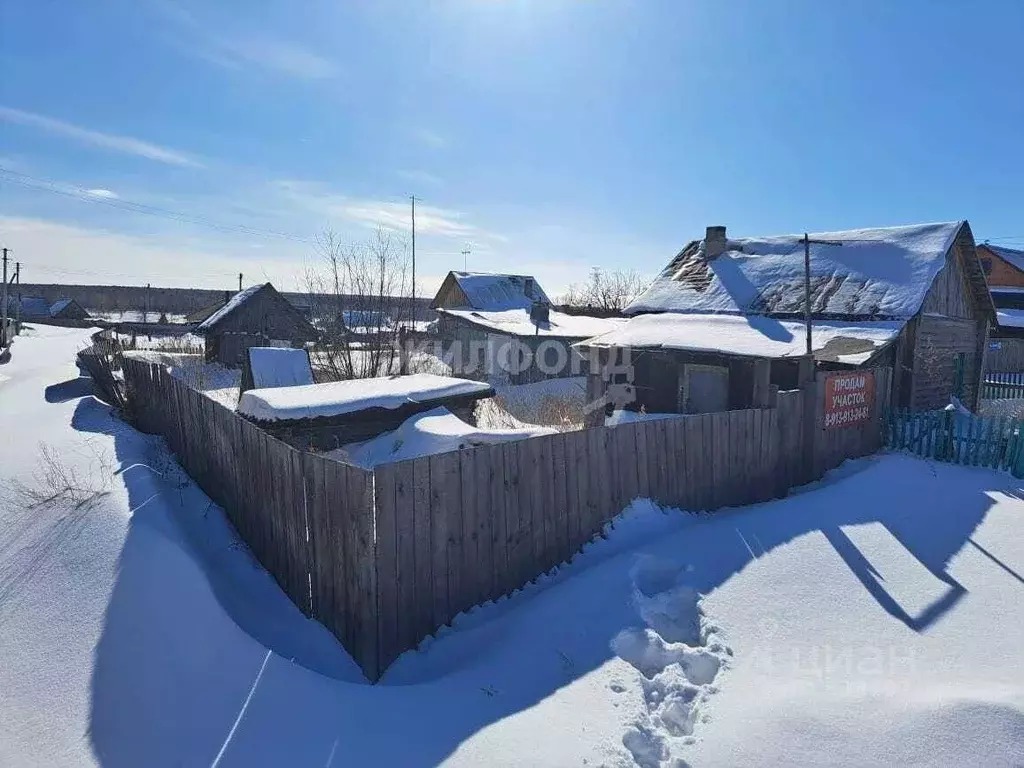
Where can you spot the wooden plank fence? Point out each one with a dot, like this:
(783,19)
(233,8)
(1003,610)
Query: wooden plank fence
(998,386)
(385,558)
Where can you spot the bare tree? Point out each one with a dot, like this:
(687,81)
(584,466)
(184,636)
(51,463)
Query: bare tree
(605,290)
(359,295)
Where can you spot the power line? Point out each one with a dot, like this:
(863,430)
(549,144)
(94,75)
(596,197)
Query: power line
(82,194)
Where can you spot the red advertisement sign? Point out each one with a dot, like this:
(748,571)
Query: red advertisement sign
(849,399)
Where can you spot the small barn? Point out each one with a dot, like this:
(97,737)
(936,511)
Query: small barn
(502,328)
(67,309)
(257,316)
(722,327)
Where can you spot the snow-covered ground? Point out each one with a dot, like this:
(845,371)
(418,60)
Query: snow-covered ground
(874,620)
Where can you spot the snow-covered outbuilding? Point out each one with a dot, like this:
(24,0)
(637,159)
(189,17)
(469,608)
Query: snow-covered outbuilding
(503,328)
(67,309)
(337,413)
(257,316)
(723,324)
(1004,270)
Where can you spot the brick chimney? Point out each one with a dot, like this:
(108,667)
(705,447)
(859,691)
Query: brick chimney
(714,243)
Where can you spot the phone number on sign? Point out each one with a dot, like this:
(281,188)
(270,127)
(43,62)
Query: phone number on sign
(847,416)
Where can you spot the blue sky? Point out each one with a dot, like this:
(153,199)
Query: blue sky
(546,135)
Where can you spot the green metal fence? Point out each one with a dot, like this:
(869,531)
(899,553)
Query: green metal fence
(959,438)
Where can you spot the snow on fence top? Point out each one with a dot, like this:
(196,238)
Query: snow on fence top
(434,431)
(340,397)
(875,273)
(753,335)
(279,367)
(516,322)
(492,292)
(233,303)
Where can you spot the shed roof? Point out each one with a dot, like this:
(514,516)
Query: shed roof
(337,398)
(232,304)
(849,342)
(875,273)
(517,322)
(35,306)
(496,292)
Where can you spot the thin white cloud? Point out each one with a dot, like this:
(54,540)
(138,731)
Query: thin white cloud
(277,55)
(236,51)
(106,194)
(125,144)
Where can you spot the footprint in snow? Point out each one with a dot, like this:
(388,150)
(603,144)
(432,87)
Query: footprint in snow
(679,655)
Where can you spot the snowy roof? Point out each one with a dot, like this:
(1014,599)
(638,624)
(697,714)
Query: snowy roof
(233,303)
(493,292)
(875,273)
(1010,255)
(34,306)
(340,397)
(1010,318)
(753,336)
(279,367)
(435,431)
(516,322)
(60,305)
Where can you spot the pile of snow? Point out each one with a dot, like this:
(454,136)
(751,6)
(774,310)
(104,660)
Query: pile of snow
(279,367)
(517,322)
(1010,318)
(753,335)
(340,397)
(630,417)
(874,272)
(212,379)
(435,431)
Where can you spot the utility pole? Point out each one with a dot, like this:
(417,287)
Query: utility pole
(3,322)
(465,259)
(17,307)
(145,316)
(413,318)
(807,285)
(240,282)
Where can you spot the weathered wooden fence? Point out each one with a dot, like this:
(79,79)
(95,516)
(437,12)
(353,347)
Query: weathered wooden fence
(999,386)
(959,438)
(307,519)
(384,558)
(1004,355)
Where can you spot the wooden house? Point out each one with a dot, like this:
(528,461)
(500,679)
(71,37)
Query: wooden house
(67,309)
(722,327)
(1004,268)
(257,316)
(502,328)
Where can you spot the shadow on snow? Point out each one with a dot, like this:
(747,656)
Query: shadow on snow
(183,674)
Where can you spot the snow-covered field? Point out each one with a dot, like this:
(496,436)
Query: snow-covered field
(874,620)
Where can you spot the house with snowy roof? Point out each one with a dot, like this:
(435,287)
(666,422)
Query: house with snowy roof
(67,309)
(723,325)
(1004,269)
(256,316)
(504,329)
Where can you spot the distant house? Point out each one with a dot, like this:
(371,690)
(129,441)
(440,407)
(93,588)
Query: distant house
(257,316)
(722,326)
(502,328)
(32,307)
(1004,269)
(67,309)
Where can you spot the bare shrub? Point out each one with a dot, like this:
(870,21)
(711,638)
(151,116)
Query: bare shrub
(606,290)
(79,483)
(358,297)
